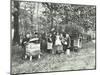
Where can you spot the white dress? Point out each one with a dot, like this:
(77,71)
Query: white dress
(58,41)
(49,45)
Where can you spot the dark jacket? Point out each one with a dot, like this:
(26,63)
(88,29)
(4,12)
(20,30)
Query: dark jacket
(25,41)
(50,39)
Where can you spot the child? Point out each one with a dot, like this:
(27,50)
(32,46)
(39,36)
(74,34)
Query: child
(66,42)
(58,43)
(50,42)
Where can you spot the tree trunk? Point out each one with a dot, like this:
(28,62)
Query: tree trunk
(51,18)
(66,16)
(16,38)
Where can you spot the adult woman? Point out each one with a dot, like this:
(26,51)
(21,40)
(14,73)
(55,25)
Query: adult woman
(43,43)
(24,42)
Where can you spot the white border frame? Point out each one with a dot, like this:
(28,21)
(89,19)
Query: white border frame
(5,37)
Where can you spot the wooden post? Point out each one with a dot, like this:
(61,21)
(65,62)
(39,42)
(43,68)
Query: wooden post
(68,52)
(25,56)
(39,56)
(78,43)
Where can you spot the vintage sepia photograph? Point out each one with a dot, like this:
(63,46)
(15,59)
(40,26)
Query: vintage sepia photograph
(52,37)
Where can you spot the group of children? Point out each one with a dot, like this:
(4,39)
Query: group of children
(58,42)
(53,41)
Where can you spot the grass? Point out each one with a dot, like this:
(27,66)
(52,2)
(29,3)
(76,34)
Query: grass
(84,59)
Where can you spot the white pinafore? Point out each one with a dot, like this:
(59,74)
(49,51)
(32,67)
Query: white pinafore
(58,41)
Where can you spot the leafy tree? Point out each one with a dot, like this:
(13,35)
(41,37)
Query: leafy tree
(50,11)
(26,16)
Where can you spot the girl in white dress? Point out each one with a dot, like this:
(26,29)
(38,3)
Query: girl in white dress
(58,43)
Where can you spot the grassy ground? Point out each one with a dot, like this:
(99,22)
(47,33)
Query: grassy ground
(84,59)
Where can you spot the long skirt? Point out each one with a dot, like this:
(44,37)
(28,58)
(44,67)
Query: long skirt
(43,45)
(59,48)
(65,47)
(58,42)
